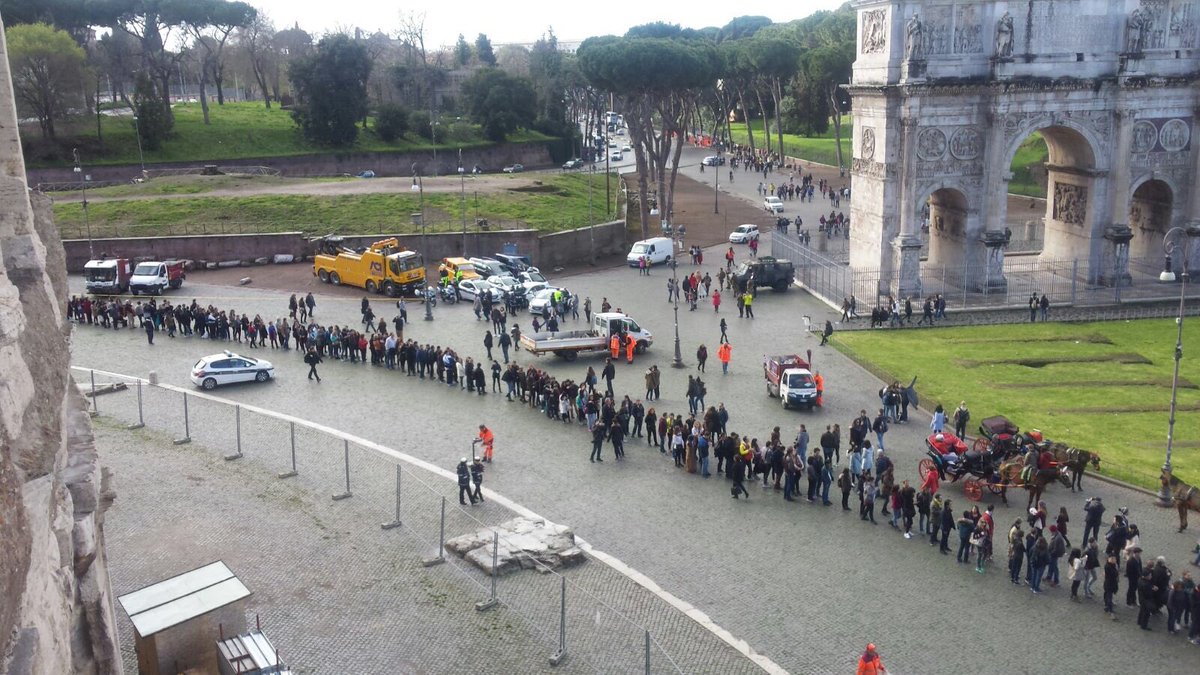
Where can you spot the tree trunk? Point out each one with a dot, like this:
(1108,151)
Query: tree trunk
(746,118)
(99,130)
(777,94)
(218,81)
(164,82)
(837,128)
(766,124)
(204,93)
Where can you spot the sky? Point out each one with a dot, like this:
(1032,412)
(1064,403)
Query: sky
(519,21)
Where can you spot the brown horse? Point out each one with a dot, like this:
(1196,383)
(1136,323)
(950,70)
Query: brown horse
(1182,492)
(1076,461)
(1010,473)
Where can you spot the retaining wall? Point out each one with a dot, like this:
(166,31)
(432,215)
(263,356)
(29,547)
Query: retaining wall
(493,158)
(547,251)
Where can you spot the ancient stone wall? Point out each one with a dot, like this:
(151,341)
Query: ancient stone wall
(56,610)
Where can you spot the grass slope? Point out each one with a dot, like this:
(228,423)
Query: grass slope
(239,131)
(560,203)
(1085,409)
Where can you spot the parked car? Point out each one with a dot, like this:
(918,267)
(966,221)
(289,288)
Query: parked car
(773,204)
(515,263)
(626,148)
(714,160)
(766,272)
(541,301)
(744,234)
(515,168)
(657,249)
(228,368)
(617,156)
(532,274)
(486,267)
(468,289)
(572,164)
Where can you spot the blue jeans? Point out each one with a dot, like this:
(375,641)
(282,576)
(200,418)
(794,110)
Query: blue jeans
(1014,570)
(789,485)
(704,466)
(1052,575)
(879,437)
(1036,582)
(964,549)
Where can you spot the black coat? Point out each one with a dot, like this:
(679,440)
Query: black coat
(464,475)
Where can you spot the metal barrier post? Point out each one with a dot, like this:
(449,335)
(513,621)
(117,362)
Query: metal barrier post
(187,432)
(346,494)
(237,412)
(492,601)
(1074,276)
(395,523)
(441,549)
(292,432)
(561,654)
(141,420)
(95,411)
(647,652)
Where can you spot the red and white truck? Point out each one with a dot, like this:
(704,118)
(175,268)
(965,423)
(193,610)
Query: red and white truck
(155,277)
(107,276)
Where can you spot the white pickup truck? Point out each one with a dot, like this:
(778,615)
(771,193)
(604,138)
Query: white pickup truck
(155,277)
(569,344)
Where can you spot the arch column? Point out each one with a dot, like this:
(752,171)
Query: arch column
(906,247)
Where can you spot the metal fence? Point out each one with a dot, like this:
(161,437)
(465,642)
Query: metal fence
(557,607)
(449,225)
(966,286)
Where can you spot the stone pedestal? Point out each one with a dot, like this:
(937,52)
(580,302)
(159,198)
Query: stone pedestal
(908,266)
(913,71)
(993,277)
(1114,271)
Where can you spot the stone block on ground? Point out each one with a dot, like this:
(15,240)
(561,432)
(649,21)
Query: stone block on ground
(525,543)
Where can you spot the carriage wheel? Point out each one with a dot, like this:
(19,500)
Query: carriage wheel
(981,444)
(1065,478)
(995,484)
(972,489)
(926,466)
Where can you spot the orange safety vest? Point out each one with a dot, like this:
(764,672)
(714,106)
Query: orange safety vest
(725,352)
(487,437)
(614,344)
(630,345)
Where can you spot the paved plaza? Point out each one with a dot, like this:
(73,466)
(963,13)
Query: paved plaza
(804,585)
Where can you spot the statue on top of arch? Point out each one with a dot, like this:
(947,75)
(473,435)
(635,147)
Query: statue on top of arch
(1004,36)
(915,32)
(1136,27)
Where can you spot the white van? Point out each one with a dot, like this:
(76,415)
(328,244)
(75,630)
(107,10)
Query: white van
(658,249)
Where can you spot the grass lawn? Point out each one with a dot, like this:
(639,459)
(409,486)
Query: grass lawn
(236,131)
(560,203)
(820,149)
(1115,404)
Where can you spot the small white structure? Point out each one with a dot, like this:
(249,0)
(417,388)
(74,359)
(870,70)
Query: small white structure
(177,620)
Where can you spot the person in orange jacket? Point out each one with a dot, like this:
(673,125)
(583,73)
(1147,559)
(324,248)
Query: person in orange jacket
(870,663)
(820,389)
(630,345)
(614,346)
(725,353)
(489,439)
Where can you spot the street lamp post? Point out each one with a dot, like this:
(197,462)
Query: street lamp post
(433,139)
(462,191)
(83,179)
(137,132)
(678,361)
(716,185)
(419,187)
(1168,275)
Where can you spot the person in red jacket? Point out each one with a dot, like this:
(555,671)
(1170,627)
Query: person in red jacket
(870,663)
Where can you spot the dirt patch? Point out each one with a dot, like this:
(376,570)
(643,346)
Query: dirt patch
(1093,339)
(1187,407)
(1164,382)
(1049,361)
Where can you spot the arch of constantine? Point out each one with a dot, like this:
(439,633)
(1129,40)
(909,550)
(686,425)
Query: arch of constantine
(944,93)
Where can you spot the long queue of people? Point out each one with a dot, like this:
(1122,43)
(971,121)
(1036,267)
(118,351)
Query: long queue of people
(693,441)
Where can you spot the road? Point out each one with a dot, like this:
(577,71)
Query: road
(805,585)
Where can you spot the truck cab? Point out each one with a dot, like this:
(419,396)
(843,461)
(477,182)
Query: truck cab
(107,276)
(790,380)
(155,277)
(605,324)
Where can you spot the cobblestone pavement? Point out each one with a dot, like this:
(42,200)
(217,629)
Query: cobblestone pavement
(804,585)
(336,594)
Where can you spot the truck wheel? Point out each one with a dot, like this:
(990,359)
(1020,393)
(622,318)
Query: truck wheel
(569,355)
(780,286)
(335,278)
(390,290)
(176,283)
(134,291)
(783,401)
(370,286)
(640,347)
(323,275)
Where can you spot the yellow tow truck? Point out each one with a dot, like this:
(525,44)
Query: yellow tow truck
(383,267)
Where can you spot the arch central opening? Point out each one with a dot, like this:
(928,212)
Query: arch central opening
(1053,190)
(945,221)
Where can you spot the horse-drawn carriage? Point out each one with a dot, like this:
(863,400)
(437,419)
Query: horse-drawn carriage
(948,455)
(1028,460)
(1003,438)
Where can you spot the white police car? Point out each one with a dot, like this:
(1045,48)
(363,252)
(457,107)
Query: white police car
(227,368)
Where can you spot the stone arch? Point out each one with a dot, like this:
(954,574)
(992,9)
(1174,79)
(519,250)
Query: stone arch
(1076,184)
(1151,214)
(948,218)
